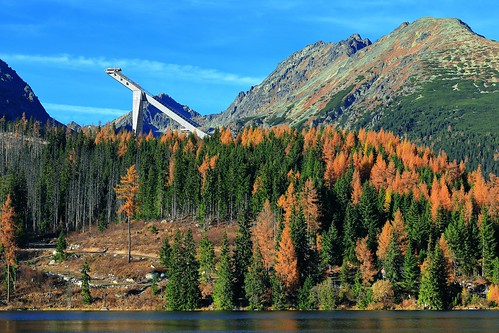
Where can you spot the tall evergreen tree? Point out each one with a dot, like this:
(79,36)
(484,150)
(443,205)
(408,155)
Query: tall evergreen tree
(192,294)
(488,245)
(207,260)
(85,283)
(393,262)
(256,282)
(182,291)
(433,289)
(330,252)
(60,249)
(410,271)
(165,253)
(243,246)
(223,293)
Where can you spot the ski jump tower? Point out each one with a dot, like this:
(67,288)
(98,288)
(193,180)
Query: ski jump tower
(140,96)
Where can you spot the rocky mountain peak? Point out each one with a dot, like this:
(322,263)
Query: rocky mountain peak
(17,97)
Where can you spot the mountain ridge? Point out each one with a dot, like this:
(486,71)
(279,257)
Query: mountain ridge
(17,98)
(403,77)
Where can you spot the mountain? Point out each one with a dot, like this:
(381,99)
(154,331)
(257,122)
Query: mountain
(155,120)
(433,80)
(17,97)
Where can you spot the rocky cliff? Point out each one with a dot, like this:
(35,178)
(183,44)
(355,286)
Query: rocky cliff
(16,97)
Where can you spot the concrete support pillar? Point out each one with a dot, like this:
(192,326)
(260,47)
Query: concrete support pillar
(138,111)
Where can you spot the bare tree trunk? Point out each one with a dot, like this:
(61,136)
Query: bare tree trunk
(129,241)
(8,283)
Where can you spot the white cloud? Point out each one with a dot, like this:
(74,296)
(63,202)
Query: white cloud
(70,109)
(186,72)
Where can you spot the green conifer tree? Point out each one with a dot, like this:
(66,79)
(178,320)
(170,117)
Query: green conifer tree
(410,271)
(256,282)
(433,289)
(242,256)
(488,245)
(207,260)
(306,299)
(60,249)
(165,253)
(223,293)
(393,263)
(85,283)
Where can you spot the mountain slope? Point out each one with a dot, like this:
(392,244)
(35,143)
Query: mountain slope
(16,98)
(433,80)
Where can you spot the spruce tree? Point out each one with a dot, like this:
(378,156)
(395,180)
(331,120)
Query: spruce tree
(182,291)
(165,253)
(393,263)
(243,246)
(192,294)
(488,245)
(330,252)
(173,292)
(410,271)
(433,289)
(223,293)
(85,283)
(60,249)
(305,299)
(256,282)
(207,260)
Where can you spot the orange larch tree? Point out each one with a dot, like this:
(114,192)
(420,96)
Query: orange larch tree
(286,266)
(264,233)
(7,239)
(366,259)
(310,206)
(128,190)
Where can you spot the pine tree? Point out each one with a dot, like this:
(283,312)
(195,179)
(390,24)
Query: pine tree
(243,246)
(350,232)
(369,214)
(60,249)
(256,282)
(128,190)
(85,283)
(192,294)
(305,299)
(165,254)
(330,252)
(182,291)
(8,241)
(433,289)
(488,245)
(393,263)
(207,260)
(174,289)
(223,293)
(410,271)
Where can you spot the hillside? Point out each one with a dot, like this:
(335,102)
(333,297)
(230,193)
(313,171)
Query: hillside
(433,80)
(338,216)
(17,97)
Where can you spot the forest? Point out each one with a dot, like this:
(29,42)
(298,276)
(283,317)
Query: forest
(326,218)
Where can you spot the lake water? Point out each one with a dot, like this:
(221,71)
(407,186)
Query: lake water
(292,321)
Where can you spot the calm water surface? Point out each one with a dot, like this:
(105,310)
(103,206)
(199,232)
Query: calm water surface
(332,321)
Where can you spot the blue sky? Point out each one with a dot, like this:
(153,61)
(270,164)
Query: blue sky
(202,53)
